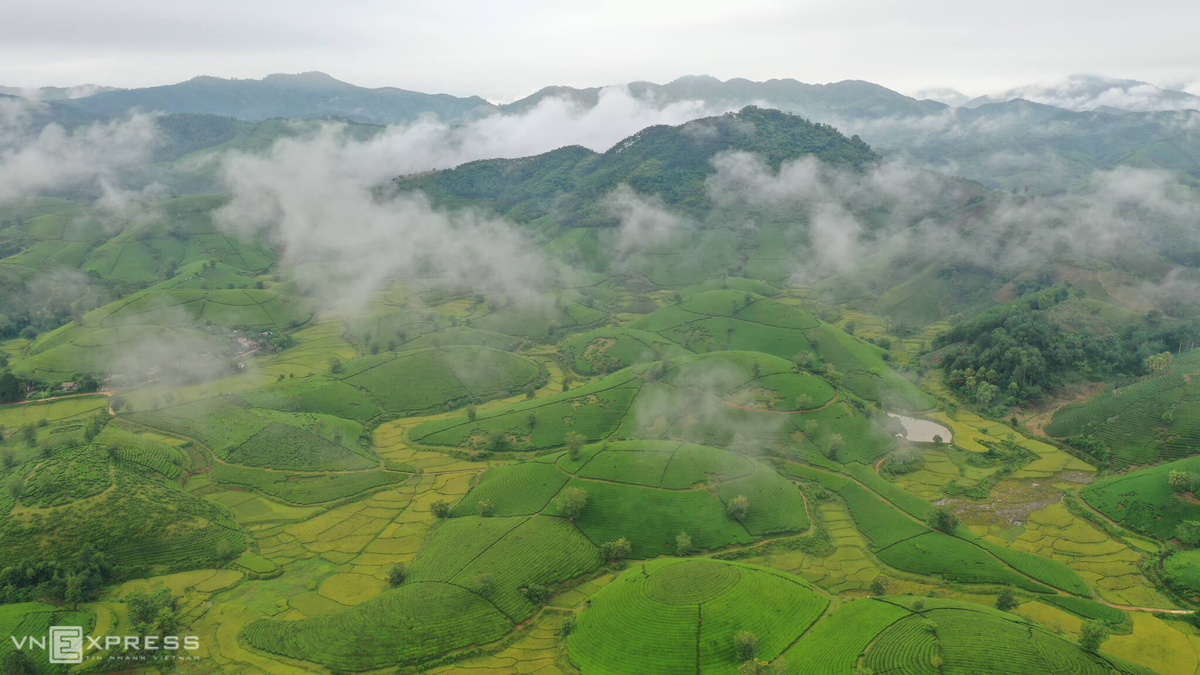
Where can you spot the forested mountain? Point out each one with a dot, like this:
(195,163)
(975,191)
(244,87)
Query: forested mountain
(671,162)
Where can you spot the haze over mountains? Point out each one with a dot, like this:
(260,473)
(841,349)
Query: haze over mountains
(1046,139)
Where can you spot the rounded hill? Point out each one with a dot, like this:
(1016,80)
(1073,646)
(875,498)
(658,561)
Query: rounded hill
(681,616)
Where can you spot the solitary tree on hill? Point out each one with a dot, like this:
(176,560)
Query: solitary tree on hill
(942,518)
(738,507)
(1179,481)
(571,503)
(615,550)
(396,575)
(1091,634)
(683,543)
(745,645)
(1007,600)
(575,443)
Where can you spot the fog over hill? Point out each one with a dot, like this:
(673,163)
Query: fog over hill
(1044,138)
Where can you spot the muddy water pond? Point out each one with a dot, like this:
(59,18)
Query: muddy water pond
(922,431)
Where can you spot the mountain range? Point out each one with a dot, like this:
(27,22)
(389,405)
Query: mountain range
(1044,139)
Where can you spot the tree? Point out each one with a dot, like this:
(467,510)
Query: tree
(472,412)
(810,428)
(335,365)
(612,551)
(803,402)
(571,503)
(575,443)
(1091,634)
(496,440)
(835,446)
(531,418)
(530,391)
(535,593)
(803,361)
(1179,481)
(16,663)
(879,584)
(10,388)
(8,459)
(683,543)
(937,438)
(484,507)
(745,645)
(484,585)
(832,374)
(1007,600)
(440,509)
(755,370)
(942,518)
(738,507)
(396,574)
(1188,533)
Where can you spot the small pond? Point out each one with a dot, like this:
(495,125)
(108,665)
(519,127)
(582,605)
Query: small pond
(922,431)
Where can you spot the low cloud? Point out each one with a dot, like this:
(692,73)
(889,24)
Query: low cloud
(644,221)
(57,159)
(313,197)
(895,211)
(1088,92)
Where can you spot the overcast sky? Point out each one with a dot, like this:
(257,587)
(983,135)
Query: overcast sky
(505,50)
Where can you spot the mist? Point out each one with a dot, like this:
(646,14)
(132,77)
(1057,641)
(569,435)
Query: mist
(315,198)
(896,210)
(35,163)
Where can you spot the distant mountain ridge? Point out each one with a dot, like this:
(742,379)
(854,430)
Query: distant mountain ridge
(1083,93)
(303,96)
(1001,143)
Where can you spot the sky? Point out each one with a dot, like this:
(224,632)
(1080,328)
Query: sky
(505,50)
